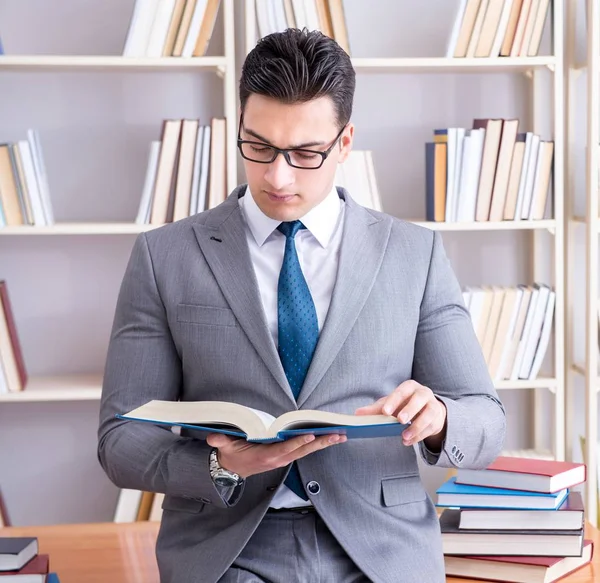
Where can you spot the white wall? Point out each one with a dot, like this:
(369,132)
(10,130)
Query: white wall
(95,128)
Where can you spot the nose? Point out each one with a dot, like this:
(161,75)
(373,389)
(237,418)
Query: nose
(279,173)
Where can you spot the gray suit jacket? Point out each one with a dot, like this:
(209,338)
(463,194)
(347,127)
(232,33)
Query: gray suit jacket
(189,325)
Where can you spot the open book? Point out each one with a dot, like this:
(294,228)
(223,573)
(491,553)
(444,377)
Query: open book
(259,426)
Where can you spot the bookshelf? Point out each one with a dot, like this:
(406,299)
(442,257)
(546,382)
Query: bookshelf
(77,270)
(582,360)
(545,238)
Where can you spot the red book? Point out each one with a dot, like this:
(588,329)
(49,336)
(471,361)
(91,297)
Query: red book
(534,475)
(32,572)
(518,569)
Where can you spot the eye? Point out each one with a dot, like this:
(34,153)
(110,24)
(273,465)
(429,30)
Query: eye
(304,155)
(260,148)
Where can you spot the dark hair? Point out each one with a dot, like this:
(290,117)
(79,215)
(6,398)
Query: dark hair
(296,66)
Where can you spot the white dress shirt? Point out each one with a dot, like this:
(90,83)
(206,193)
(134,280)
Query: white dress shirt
(318,248)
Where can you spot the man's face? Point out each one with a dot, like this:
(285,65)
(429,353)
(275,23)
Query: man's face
(282,192)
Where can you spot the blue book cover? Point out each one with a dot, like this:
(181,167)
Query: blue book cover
(52,578)
(452,494)
(258,426)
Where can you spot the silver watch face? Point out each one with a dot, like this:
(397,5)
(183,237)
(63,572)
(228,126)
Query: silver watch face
(225,481)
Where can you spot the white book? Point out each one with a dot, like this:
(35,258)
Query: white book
(127,505)
(476,33)
(502,26)
(460,137)
(300,14)
(535,331)
(194,30)
(542,346)
(312,15)
(139,28)
(538,177)
(196,171)
(40,170)
(523,177)
(514,375)
(470,173)
(39,219)
(204,170)
(450,169)
(3,390)
(143,216)
(262,18)
(160,28)
(476,302)
(506,346)
(279,19)
(375,194)
(456,30)
(532,165)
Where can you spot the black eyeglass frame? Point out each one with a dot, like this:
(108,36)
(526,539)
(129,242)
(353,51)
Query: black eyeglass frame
(286,151)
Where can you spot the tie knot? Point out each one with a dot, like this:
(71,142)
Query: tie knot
(290,228)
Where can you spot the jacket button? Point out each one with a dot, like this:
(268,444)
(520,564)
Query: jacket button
(271,488)
(313,487)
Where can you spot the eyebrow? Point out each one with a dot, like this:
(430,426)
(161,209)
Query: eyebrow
(294,147)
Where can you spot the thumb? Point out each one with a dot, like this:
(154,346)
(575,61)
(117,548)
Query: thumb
(218,440)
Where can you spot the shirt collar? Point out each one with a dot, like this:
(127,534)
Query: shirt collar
(321,220)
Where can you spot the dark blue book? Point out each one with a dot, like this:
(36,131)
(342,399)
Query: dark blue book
(52,578)
(259,426)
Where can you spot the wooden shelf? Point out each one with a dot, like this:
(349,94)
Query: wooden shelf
(133,228)
(539,383)
(489,225)
(93,62)
(449,65)
(58,388)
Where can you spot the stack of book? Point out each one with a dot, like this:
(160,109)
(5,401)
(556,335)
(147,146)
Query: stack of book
(20,562)
(324,15)
(513,326)
(518,520)
(185,174)
(13,374)
(24,191)
(171,28)
(492,28)
(491,172)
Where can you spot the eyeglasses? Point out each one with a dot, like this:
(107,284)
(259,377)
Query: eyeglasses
(295,157)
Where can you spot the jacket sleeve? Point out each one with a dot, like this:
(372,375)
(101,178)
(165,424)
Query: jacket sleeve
(448,359)
(143,364)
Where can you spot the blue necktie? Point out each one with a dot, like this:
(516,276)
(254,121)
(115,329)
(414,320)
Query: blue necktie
(298,327)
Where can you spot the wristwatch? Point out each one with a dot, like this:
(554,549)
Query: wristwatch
(221,476)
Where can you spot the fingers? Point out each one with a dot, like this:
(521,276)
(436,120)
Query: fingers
(413,406)
(429,421)
(219,440)
(375,408)
(304,445)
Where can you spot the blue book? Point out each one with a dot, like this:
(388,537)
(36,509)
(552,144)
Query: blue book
(258,426)
(52,578)
(451,494)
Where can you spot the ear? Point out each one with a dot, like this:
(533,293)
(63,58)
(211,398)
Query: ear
(346,143)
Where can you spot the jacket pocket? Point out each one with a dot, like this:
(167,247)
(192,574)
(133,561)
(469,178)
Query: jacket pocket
(402,489)
(205,315)
(178,504)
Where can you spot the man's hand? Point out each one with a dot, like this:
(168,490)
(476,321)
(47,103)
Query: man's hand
(411,401)
(245,458)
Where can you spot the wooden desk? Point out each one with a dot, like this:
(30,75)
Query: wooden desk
(124,553)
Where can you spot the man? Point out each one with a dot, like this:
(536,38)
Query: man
(288,295)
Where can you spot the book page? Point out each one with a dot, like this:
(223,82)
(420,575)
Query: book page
(310,418)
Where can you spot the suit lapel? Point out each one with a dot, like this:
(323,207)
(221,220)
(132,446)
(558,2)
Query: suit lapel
(229,260)
(364,241)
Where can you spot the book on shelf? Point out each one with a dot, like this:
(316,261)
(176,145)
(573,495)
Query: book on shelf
(171,28)
(518,569)
(13,374)
(259,426)
(513,326)
(185,172)
(24,191)
(325,15)
(490,172)
(498,28)
(357,175)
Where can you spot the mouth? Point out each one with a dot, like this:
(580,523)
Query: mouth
(281,197)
